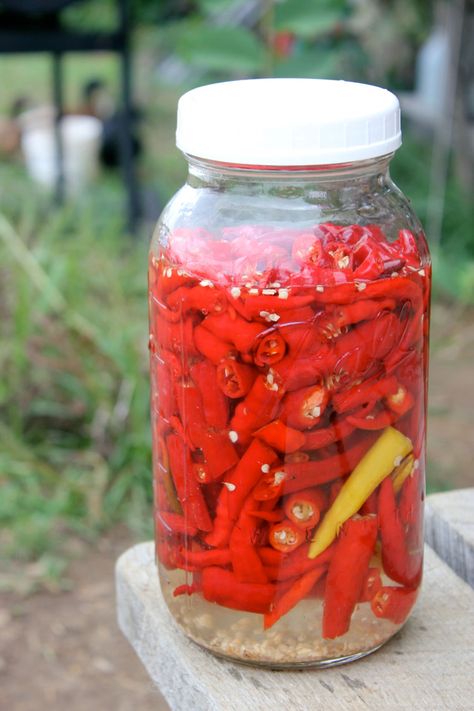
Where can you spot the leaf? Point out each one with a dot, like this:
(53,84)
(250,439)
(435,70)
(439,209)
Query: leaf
(309,19)
(223,49)
(214,7)
(310,63)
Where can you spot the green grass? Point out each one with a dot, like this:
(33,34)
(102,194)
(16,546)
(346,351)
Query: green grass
(75,453)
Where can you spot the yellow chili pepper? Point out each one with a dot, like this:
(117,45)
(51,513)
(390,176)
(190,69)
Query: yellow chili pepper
(402,472)
(374,466)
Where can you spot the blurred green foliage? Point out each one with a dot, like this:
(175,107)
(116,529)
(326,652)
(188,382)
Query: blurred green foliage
(372,40)
(75,453)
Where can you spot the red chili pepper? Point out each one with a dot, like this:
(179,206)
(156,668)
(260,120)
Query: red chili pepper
(294,564)
(203,558)
(270,486)
(237,331)
(304,339)
(304,475)
(270,556)
(271,349)
(174,363)
(210,346)
(407,245)
(399,563)
(293,457)
(372,266)
(372,584)
(246,563)
(298,591)
(303,408)
(341,255)
(272,516)
(186,589)
(165,401)
(371,421)
(167,554)
(334,490)
(401,401)
(166,278)
(373,339)
(373,389)
(282,438)
(286,536)
(187,488)
(400,288)
(175,523)
(221,586)
(267,306)
(371,505)
(295,317)
(216,409)
(411,509)
(159,308)
(393,603)
(190,406)
(349,314)
(297,373)
(307,249)
(219,452)
(235,379)
(347,573)
(176,337)
(177,426)
(259,407)
(239,485)
(411,499)
(199,298)
(321,437)
(304,507)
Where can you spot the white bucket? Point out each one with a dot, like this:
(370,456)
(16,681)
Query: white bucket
(80,142)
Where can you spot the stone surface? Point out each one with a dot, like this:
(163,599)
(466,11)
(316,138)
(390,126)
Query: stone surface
(427,666)
(449,530)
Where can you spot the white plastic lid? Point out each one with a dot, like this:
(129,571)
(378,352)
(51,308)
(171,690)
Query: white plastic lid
(288,122)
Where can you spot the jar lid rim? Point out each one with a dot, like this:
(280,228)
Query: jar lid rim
(288,122)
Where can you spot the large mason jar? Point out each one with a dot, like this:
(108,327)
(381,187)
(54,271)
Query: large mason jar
(289,287)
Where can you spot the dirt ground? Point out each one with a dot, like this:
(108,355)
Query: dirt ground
(64,651)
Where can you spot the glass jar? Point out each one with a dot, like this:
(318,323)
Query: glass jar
(289,313)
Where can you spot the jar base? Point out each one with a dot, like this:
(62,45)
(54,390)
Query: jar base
(292,666)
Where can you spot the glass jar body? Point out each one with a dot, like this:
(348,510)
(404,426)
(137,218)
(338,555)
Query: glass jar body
(289,316)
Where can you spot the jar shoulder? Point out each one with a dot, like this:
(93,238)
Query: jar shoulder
(212,207)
